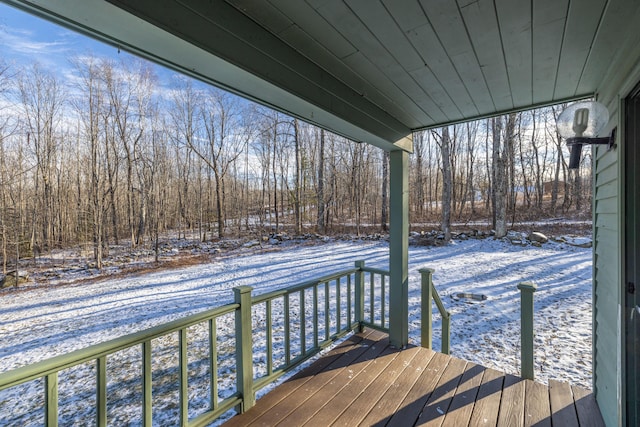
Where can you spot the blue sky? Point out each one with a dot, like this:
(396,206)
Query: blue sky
(25,39)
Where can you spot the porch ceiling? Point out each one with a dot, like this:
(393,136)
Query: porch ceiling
(373,70)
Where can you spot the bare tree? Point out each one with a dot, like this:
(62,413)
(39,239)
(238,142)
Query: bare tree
(499,171)
(418,186)
(129,87)
(320,221)
(183,128)
(444,142)
(89,103)
(385,198)
(42,99)
(471,133)
(226,132)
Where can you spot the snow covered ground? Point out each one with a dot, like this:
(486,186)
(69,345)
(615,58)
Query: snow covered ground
(43,321)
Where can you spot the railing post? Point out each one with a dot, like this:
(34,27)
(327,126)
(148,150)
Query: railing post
(446,333)
(359,295)
(244,348)
(526,328)
(426,322)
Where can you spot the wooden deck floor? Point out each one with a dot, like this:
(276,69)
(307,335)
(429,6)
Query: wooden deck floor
(366,382)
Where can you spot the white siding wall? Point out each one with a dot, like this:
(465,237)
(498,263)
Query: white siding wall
(608,233)
(606,293)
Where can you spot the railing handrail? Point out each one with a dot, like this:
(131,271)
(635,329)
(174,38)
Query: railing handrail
(332,287)
(429,292)
(256,299)
(58,363)
(375,270)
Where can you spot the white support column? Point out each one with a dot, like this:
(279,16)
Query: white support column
(399,249)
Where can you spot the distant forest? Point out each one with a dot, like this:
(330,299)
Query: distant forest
(111,154)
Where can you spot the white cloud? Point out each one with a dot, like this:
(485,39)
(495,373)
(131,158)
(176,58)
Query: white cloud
(19,41)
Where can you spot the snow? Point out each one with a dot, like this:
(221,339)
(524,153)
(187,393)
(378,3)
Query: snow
(43,321)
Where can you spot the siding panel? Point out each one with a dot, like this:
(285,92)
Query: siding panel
(606,278)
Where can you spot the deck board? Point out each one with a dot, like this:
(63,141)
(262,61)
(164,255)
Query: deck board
(366,382)
(366,398)
(536,406)
(586,408)
(487,405)
(420,392)
(461,407)
(512,402)
(438,404)
(389,403)
(563,410)
(312,394)
(357,380)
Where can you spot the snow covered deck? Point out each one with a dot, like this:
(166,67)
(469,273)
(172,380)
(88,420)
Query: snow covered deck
(365,382)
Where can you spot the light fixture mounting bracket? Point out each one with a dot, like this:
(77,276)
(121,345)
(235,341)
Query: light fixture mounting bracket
(609,141)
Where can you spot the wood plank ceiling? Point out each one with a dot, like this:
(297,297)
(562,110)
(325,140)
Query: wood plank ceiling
(373,70)
(431,62)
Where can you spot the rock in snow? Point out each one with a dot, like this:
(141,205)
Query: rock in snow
(536,236)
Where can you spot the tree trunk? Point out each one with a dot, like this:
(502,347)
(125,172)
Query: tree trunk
(499,180)
(445,145)
(320,221)
(298,173)
(385,198)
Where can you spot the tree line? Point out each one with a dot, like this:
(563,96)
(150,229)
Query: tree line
(113,154)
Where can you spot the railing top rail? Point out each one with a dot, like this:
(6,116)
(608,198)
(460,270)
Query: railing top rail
(64,361)
(300,286)
(439,304)
(376,271)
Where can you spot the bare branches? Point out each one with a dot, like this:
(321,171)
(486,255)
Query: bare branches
(112,154)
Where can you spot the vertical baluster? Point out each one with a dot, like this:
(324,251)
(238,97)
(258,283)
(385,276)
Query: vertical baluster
(315,316)
(287,337)
(183,365)
(327,321)
(349,311)
(147,371)
(51,399)
(382,299)
(101,391)
(372,293)
(359,305)
(338,306)
(269,339)
(213,364)
(147,398)
(303,324)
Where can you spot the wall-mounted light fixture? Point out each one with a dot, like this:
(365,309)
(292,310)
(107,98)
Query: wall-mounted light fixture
(580,123)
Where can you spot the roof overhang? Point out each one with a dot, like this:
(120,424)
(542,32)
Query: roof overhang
(372,71)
